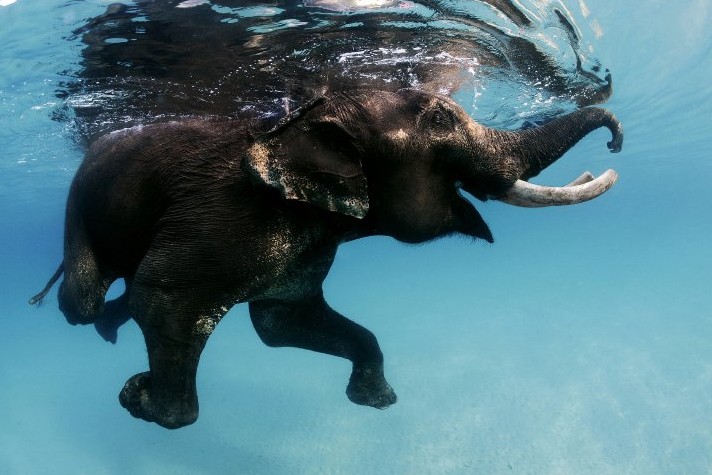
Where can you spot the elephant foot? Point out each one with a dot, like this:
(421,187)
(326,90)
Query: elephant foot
(368,387)
(107,330)
(115,314)
(136,397)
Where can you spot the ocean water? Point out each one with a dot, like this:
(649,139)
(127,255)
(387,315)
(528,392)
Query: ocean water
(578,343)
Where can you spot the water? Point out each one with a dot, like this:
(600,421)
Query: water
(577,343)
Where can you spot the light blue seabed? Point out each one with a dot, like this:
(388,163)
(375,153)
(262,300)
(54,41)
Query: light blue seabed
(579,343)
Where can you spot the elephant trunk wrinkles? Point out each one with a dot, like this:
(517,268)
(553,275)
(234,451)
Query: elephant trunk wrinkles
(541,146)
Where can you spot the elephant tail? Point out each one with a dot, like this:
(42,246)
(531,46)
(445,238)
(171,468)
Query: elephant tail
(37,299)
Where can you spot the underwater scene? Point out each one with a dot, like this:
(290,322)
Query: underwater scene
(512,315)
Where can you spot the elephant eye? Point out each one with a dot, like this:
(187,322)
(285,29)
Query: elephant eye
(443,119)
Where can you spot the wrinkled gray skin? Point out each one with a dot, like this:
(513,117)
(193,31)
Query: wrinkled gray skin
(202,214)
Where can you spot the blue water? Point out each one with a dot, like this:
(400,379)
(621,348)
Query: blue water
(579,343)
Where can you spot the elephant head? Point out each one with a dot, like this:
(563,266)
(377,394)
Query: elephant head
(398,160)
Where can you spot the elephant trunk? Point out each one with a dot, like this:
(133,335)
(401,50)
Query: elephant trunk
(537,148)
(541,146)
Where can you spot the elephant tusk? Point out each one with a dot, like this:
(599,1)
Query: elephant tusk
(582,189)
(584,178)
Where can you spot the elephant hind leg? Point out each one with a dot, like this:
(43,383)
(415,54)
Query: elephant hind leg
(116,313)
(310,323)
(167,394)
(81,294)
(175,332)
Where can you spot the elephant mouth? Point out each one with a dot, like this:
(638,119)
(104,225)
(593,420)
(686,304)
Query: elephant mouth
(584,188)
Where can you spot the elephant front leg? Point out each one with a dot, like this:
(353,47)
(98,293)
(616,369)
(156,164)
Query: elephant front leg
(167,394)
(310,323)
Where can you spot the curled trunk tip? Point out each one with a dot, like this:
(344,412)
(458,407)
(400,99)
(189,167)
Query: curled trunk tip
(539,147)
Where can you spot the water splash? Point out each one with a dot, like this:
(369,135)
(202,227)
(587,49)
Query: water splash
(512,63)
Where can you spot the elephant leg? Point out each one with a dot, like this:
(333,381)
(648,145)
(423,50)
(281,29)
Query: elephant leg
(167,393)
(115,314)
(81,293)
(310,323)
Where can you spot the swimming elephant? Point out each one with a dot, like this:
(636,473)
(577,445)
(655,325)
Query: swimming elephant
(200,214)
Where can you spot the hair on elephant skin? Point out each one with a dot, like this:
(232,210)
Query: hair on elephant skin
(201,214)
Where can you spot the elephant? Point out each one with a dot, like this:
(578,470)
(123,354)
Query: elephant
(200,214)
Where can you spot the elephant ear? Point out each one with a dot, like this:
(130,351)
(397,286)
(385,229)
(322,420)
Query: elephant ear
(317,162)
